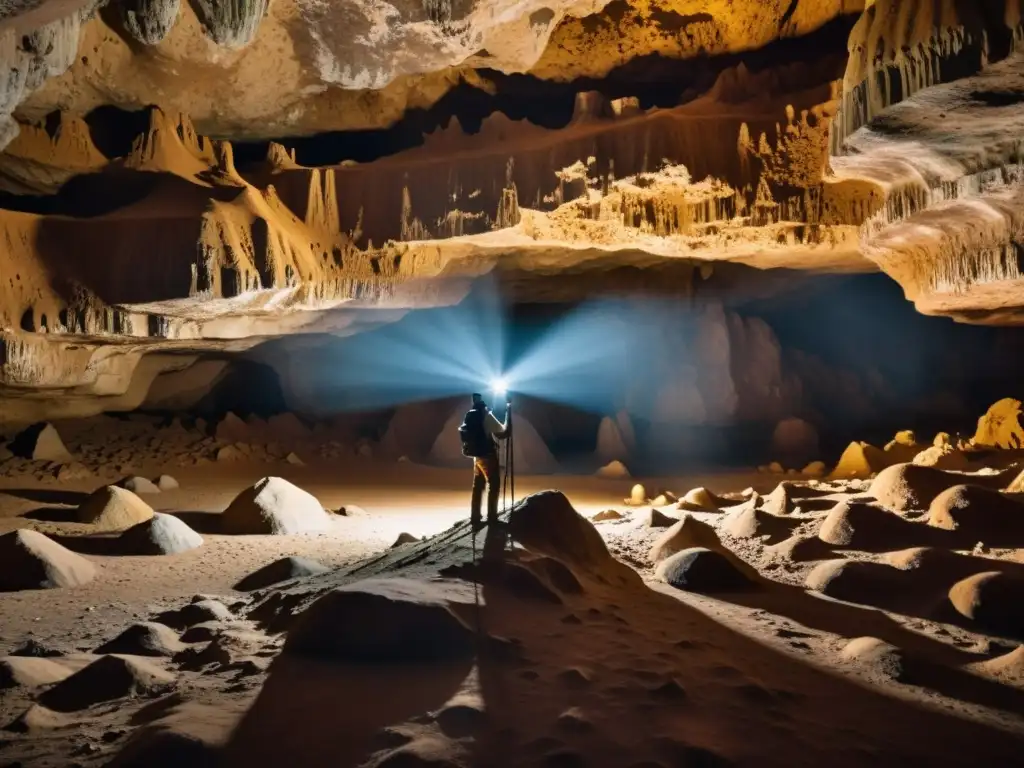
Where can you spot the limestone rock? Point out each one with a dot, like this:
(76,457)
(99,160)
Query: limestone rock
(1000,427)
(145,639)
(40,442)
(275,506)
(114,509)
(107,679)
(385,620)
(231,23)
(285,569)
(701,570)
(160,535)
(30,560)
(149,21)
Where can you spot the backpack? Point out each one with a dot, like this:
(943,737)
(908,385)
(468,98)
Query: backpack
(476,443)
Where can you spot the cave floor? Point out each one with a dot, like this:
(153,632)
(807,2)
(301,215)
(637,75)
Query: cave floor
(787,624)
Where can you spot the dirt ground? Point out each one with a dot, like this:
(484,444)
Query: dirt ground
(791,637)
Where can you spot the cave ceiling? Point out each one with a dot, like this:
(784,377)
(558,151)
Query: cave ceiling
(185,177)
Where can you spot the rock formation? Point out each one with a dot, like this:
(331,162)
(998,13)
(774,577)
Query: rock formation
(821,158)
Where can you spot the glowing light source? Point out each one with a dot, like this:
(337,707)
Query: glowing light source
(499,386)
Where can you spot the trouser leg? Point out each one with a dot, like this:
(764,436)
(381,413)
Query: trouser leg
(479,481)
(493,488)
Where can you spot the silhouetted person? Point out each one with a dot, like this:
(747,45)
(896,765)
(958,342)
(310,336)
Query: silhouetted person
(479,432)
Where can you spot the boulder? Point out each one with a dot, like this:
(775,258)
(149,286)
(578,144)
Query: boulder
(637,496)
(114,509)
(546,524)
(160,535)
(285,569)
(107,679)
(795,441)
(702,570)
(616,470)
(147,638)
(611,446)
(1000,427)
(138,485)
(167,483)
(386,620)
(689,532)
(30,560)
(40,442)
(274,506)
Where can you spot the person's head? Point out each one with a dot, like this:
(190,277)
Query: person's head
(478,400)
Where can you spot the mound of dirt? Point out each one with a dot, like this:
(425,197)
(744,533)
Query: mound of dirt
(114,509)
(39,719)
(30,672)
(187,734)
(875,657)
(386,620)
(605,515)
(160,535)
(139,485)
(905,487)
(657,519)
(276,507)
(615,470)
(798,549)
(403,539)
(943,457)
(748,522)
(855,581)
(231,429)
(200,610)
(41,442)
(701,500)
(702,570)
(147,638)
(285,569)
(993,599)
(866,527)
(688,533)
(30,560)
(979,514)
(1009,666)
(860,460)
(106,679)
(1000,427)
(789,495)
(546,524)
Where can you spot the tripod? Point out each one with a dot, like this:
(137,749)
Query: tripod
(508,481)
